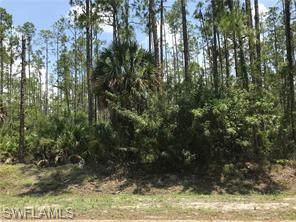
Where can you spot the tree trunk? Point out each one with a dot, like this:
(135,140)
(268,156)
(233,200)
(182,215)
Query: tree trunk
(243,74)
(75,73)
(154,32)
(251,42)
(150,28)
(289,48)
(185,43)
(10,69)
(258,44)
(220,58)
(227,64)
(1,74)
(177,56)
(214,49)
(22,103)
(46,77)
(161,38)
(30,90)
(230,6)
(114,20)
(89,64)
(127,33)
(166,57)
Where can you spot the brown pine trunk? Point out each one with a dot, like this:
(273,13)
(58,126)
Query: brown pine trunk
(230,6)
(220,58)
(150,29)
(251,42)
(289,48)
(206,52)
(154,32)
(185,43)
(258,43)
(22,103)
(40,90)
(10,69)
(174,61)
(166,56)
(75,73)
(227,63)
(1,74)
(114,20)
(214,49)
(127,34)
(161,38)
(243,69)
(89,64)
(31,94)
(46,77)
(177,57)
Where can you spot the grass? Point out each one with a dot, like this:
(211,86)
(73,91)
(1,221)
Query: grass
(67,186)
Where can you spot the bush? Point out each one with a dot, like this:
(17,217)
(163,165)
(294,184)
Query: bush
(8,139)
(231,128)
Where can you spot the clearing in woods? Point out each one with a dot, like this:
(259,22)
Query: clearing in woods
(93,196)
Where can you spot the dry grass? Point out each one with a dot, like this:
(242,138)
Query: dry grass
(93,196)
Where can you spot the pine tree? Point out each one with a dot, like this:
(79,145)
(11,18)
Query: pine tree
(22,102)
(185,43)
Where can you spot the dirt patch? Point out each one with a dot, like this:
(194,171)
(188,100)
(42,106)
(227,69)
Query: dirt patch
(285,175)
(218,206)
(275,180)
(225,207)
(32,180)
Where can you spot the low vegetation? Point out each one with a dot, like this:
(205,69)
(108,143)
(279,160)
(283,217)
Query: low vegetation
(134,106)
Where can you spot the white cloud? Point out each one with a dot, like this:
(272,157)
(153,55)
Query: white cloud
(262,9)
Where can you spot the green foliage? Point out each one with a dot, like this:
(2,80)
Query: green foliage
(101,142)
(56,134)
(8,139)
(146,114)
(229,128)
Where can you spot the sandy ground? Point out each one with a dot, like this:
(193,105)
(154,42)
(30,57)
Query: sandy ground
(149,220)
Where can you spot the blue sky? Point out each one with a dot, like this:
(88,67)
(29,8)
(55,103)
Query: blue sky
(43,13)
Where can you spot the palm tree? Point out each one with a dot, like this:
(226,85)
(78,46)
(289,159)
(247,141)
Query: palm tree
(125,69)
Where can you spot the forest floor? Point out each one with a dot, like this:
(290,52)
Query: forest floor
(94,196)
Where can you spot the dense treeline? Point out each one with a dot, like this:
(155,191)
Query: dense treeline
(209,87)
